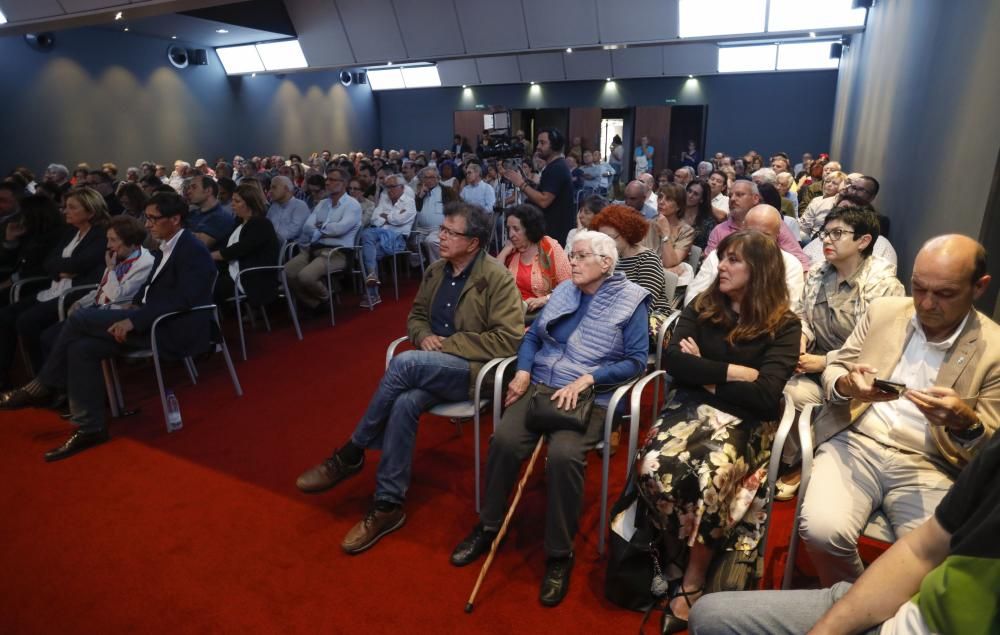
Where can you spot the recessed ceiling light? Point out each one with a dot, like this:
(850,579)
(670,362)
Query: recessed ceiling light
(465,85)
(118,16)
(222,30)
(389,63)
(812,33)
(173,37)
(532,83)
(690,76)
(607,79)
(125,29)
(569,49)
(253,74)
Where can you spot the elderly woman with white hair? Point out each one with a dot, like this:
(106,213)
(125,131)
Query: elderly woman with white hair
(591,336)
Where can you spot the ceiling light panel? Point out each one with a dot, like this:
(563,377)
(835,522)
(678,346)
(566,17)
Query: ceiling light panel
(385,78)
(279,56)
(748,59)
(240,59)
(805,55)
(810,15)
(421,76)
(702,18)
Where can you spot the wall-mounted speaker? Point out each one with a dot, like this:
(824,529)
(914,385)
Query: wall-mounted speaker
(198,57)
(361,78)
(863,4)
(346,78)
(836,50)
(178,56)
(43,42)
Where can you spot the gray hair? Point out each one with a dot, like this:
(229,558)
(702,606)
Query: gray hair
(766,174)
(753,186)
(397,179)
(686,168)
(475,166)
(429,171)
(284,180)
(600,244)
(707,165)
(58,168)
(785,176)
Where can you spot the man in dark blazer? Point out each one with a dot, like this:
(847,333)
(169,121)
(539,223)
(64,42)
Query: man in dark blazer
(182,277)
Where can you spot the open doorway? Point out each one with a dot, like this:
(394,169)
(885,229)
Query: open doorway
(610,128)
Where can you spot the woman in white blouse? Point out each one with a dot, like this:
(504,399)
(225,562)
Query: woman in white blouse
(128,265)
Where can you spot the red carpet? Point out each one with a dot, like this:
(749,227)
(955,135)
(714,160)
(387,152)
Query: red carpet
(204,531)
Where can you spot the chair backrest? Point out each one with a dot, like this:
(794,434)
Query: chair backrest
(694,258)
(670,285)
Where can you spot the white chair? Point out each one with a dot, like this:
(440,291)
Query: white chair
(154,353)
(240,298)
(655,360)
(694,258)
(878,526)
(457,410)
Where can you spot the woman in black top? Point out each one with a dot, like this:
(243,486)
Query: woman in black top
(28,239)
(253,243)
(76,259)
(703,467)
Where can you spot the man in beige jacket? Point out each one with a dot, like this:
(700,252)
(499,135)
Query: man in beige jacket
(877,448)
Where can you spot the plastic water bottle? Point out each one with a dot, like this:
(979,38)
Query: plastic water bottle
(174,422)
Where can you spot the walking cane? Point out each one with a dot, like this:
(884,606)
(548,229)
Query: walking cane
(503,527)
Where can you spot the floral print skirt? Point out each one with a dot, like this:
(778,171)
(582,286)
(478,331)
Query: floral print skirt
(702,472)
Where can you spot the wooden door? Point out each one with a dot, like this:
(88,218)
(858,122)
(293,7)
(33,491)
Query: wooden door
(653,122)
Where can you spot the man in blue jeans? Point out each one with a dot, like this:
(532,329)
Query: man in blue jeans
(467,311)
(943,577)
(392,220)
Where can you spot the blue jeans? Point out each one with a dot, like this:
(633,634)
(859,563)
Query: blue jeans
(379,242)
(415,382)
(770,612)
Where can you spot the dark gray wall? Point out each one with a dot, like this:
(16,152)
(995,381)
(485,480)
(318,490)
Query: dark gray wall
(917,107)
(770,112)
(103,95)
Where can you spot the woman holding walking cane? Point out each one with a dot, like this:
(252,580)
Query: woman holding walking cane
(590,336)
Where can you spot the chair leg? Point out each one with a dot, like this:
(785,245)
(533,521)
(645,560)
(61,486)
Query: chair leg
(110,388)
(118,384)
(291,306)
(159,384)
(329,299)
(239,321)
(395,277)
(605,469)
(192,373)
(229,360)
(267,322)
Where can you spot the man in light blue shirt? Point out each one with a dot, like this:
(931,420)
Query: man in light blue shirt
(476,191)
(392,220)
(328,233)
(644,157)
(431,199)
(287,213)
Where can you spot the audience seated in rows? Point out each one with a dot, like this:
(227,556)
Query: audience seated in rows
(589,207)
(254,243)
(699,212)
(591,335)
(466,312)
(640,264)
(182,278)
(287,213)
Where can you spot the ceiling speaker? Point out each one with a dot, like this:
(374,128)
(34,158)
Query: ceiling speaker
(198,57)
(178,56)
(346,78)
(44,42)
(361,79)
(836,50)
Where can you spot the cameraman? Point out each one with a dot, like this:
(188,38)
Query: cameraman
(554,193)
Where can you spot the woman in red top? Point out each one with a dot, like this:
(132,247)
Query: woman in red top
(537,261)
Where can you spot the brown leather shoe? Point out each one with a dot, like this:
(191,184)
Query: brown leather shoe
(373,526)
(327,474)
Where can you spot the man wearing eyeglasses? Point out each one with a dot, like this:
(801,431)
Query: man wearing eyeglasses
(912,395)
(391,223)
(467,311)
(181,278)
(431,199)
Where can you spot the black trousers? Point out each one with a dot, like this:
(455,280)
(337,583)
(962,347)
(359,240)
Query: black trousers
(511,444)
(27,318)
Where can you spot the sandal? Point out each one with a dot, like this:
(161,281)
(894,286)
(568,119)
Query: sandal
(671,623)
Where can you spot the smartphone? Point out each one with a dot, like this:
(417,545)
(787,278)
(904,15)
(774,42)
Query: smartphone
(891,387)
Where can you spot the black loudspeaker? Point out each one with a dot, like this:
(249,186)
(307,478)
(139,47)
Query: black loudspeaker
(198,57)
(44,42)
(862,4)
(836,50)
(361,78)
(346,78)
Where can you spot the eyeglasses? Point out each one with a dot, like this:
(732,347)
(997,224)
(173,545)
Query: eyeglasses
(152,219)
(450,233)
(331,180)
(834,234)
(859,188)
(573,255)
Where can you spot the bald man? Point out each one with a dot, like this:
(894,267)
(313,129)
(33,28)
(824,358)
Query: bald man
(900,451)
(743,195)
(767,220)
(635,197)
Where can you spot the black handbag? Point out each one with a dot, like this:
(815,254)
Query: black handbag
(630,572)
(544,417)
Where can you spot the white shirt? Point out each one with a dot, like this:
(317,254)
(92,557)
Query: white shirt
(167,248)
(60,285)
(710,270)
(400,214)
(234,264)
(721,201)
(899,423)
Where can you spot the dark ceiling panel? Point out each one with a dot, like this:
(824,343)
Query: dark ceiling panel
(492,27)
(263,15)
(21,10)
(561,23)
(372,30)
(430,28)
(321,33)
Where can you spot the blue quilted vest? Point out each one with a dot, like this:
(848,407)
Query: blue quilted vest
(597,340)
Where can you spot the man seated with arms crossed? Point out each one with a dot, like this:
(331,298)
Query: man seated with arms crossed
(900,451)
(183,273)
(943,577)
(467,312)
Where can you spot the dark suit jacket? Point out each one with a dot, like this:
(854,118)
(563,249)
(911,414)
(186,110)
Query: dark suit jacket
(185,281)
(257,247)
(87,261)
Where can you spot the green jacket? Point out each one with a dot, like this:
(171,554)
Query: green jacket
(489,318)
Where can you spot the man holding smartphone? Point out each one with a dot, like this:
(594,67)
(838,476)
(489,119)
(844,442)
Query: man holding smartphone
(911,396)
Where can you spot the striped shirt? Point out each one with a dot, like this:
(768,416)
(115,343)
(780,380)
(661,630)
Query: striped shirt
(645,269)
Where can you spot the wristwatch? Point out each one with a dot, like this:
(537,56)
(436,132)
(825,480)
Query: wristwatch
(971,433)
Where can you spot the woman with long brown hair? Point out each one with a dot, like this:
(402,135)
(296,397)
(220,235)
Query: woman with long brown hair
(703,466)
